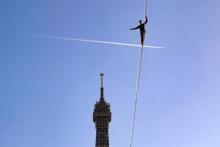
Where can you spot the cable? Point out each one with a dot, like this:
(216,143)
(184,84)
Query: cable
(136,95)
(146,8)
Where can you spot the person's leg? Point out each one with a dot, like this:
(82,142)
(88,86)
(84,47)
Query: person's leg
(142,38)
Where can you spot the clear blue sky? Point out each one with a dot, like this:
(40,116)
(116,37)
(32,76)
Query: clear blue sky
(48,88)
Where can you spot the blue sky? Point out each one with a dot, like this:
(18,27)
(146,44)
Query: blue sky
(48,87)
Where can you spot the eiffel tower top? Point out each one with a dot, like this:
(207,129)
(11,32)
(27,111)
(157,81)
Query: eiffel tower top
(102,88)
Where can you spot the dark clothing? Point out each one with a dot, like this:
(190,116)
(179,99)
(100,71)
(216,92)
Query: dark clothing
(142,38)
(141,27)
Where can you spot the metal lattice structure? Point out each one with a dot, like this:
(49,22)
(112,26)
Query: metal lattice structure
(102,118)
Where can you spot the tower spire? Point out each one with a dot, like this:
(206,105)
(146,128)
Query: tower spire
(102,88)
(102,118)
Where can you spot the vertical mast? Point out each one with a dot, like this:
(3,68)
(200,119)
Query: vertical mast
(102,87)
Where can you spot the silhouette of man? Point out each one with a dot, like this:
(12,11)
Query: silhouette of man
(141,27)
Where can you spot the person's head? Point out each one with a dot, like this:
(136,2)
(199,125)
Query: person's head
(140,21)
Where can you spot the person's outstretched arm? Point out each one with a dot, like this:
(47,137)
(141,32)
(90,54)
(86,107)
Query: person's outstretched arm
(146,20)
(134,28)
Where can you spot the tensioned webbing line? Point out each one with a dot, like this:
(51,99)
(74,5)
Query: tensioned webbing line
(137,89)
(136,95)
